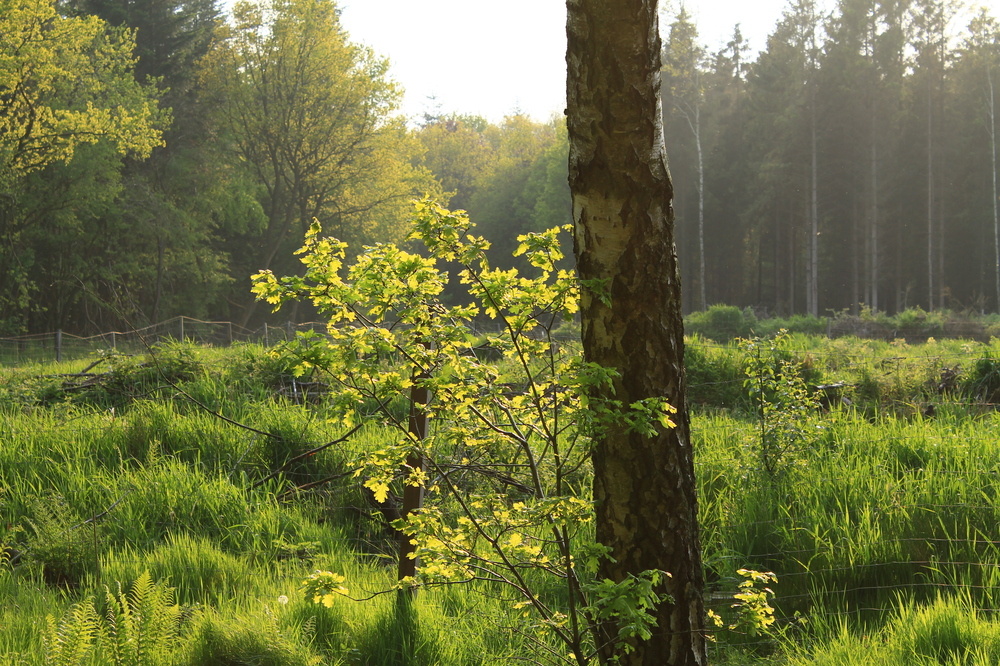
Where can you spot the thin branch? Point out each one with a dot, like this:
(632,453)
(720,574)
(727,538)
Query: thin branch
(310,452)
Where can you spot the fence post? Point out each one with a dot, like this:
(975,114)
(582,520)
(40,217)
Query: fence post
(230,333)
(291,330)
(114,343)
(266,343)
(182,328)
(58,345)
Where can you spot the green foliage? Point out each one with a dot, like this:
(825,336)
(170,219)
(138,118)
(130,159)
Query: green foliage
(892,507)
(783,401)
(983,382)
(525,189)
(880,508)
(504,464)
(721,323)
(323,587)
(751,613)
(802,324)
(140,624)
(754,614)
(171,487)
(458,153)
(72,112)
(71,641)
(199,571)
(134,377)
(333,97)
(945,631)
(258,638)
(715,374)
(629,605)
(73,87)
(137,627)
(60,543)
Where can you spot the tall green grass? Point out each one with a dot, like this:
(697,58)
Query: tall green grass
(947,630)
(100,486)
(883,507)
(872,510)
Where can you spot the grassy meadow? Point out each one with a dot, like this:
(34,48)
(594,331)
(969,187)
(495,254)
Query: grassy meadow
(175,483)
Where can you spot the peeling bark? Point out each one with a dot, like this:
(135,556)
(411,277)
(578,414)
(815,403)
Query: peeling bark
(644,487)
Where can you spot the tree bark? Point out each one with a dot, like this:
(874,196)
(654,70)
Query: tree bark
(993,163)
(644,487)
(813,293)
(702,278)
(930,201)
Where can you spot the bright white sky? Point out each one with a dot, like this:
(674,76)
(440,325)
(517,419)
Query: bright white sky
(495,57)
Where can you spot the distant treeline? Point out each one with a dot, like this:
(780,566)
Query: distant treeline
(155,155)
(852,163)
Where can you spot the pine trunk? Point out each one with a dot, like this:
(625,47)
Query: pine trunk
(993,162)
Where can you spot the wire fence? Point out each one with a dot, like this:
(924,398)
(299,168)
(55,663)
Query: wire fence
(63,346)
(959,551)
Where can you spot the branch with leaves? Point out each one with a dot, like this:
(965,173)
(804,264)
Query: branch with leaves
(506,467)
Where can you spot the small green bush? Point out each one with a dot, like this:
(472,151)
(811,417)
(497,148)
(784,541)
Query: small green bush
(721,323)
(983,382)
(799,324)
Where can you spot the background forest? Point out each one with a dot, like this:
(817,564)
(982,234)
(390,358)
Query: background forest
(853,162)
(155,154)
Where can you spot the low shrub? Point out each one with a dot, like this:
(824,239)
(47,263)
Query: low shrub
(721,323)
(796,324)
(982,383)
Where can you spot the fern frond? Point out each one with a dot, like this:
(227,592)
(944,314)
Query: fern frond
(142,622)
(119,628)
(70,642)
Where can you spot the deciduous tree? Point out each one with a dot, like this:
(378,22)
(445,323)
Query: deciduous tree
(311,116)
(644,485)
(70,111)
(66,82)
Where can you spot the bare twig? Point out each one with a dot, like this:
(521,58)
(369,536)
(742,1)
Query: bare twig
(301,456)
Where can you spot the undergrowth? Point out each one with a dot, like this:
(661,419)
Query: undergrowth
(891,499)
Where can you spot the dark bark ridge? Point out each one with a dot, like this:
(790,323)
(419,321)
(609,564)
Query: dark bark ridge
(644,487)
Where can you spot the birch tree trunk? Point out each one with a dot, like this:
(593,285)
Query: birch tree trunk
(644,487)
(873,272)
(930,205)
